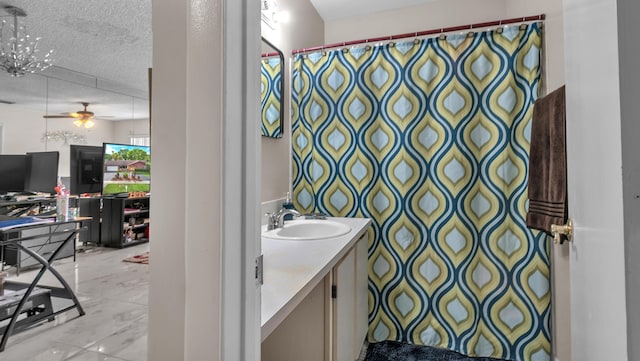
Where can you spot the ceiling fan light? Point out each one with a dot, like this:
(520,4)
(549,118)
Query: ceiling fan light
(89,123)
(77,123)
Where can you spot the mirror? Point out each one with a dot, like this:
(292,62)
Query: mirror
(271,90)
(100,58)
(34,115)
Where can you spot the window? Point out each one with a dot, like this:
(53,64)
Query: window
(140,139)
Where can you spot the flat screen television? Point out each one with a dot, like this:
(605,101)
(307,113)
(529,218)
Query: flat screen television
(42,172)
(12,172)
(126,168)
(85,169)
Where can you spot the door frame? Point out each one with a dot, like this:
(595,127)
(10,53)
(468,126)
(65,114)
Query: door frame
(204,303)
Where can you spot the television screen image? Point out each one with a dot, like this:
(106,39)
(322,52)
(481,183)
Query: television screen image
(12,172)
(42,172)
(126,168)
(85,169)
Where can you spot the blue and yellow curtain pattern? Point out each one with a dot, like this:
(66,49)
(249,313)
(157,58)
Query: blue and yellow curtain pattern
(270,95)
(430,140)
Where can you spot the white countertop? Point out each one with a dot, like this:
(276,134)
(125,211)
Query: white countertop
(292,268)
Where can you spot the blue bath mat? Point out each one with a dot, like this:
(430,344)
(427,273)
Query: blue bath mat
(398,351)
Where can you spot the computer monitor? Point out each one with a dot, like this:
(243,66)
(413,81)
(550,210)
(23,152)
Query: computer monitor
(12,172)
(41,172)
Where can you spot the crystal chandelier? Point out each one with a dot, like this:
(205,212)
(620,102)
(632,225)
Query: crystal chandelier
(269,13)
(18,49)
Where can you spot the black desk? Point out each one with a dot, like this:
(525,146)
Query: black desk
(12,237)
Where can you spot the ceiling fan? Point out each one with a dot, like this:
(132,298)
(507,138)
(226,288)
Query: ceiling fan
(82,117)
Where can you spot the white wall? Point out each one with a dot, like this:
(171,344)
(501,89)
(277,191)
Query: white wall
(124,129)
(167,286)
(23,129)
(432,15)
(304,28)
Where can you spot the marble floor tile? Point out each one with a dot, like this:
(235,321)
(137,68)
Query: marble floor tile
(113,294)
(92,356)
(128,343)
(40,349)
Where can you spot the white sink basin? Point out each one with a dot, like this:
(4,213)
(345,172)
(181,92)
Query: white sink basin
(308,230)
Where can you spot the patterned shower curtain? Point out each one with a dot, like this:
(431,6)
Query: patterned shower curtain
(430,139)
(270,96)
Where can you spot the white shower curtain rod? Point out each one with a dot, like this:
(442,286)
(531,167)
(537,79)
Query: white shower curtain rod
(423,33)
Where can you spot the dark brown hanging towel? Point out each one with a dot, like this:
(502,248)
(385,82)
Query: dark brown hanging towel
(548,163)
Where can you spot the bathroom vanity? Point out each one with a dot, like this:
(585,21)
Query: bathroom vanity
(314,296)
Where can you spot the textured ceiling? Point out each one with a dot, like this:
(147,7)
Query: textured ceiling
(336,9)
(105,46)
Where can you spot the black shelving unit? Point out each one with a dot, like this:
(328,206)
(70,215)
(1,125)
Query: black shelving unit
(90,207)
(125,222)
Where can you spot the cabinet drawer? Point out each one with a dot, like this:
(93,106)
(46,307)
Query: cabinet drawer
(45,250)
(44,240)
(43,246)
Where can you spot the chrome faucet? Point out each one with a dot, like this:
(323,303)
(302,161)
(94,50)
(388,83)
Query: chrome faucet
(283,212)
(276,220)
(272,220)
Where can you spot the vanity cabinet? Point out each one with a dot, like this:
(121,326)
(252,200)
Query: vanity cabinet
(303,335)
(350,308)
(330,323)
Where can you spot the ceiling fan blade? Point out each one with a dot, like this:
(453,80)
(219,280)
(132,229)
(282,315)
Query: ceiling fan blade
(82,115)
